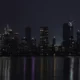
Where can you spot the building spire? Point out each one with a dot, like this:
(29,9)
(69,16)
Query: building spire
(71,22)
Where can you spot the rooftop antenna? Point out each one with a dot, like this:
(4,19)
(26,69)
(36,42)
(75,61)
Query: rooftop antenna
(71,22)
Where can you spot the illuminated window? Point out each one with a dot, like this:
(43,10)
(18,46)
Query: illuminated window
(41,30)
(70,23)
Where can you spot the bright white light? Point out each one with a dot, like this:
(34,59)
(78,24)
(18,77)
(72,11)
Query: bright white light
(78,30)
(70,23)
(10,29)
(41,30)
(32,38)
(71,68)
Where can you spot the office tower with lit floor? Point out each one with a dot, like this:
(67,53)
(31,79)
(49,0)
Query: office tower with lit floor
(44,39)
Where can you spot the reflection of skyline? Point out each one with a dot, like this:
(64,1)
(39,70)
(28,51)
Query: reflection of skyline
(54,68)
(33,68)
(5,68)
(50,68)
(71,68)
(25,68)
(41,69)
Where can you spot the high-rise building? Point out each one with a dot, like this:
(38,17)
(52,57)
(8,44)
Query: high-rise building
(43,38)
(33,40)
(1,41)
(67,34)
(16,37)
(28,35)
(54,41)
(78,41)
(33,47)
(78,36)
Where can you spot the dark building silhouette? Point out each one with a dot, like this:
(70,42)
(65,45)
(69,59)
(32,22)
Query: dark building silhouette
(78,41)
(44,38)
(33,40)
(67,34)
(16,37)
(1,41)
(54,41)
(28,35)
(78,36)
(33,45)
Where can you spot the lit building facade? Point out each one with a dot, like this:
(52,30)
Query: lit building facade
(43,39)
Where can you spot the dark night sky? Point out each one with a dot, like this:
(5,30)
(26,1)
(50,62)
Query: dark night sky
(36,13)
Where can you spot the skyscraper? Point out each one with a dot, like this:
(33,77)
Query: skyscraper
(33,40)
(78,41)
(28,35)
(67,34)
(43,38)
(33,46)
(54,41)
(78,36)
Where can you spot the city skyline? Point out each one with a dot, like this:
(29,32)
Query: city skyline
(49,37)
(38,13)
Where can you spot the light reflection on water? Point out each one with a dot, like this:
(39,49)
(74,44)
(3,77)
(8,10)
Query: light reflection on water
(71,68)
(57,62)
